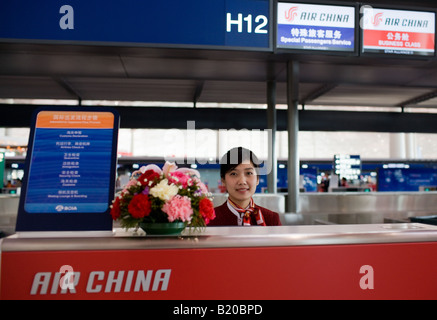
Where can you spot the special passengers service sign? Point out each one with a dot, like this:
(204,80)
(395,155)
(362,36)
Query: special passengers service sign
(316,27)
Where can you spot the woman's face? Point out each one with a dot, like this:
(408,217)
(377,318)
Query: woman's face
(241,183)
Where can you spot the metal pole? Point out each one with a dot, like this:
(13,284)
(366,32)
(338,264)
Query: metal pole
(293,132)
(272,177)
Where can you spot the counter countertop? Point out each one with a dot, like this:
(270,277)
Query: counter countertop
(227,237)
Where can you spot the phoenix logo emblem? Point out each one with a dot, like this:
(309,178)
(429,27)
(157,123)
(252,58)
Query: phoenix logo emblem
(377,19)
(291,13)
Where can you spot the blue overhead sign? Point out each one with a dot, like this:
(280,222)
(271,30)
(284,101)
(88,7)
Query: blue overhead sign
(242,24)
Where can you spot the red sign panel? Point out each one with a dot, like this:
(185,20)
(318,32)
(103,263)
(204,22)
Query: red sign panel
(398,31)
(381,271)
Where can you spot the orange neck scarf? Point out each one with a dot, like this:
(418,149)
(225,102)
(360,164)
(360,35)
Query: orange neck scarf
(247,212)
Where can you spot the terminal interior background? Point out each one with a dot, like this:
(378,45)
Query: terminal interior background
(408,160)
(143,146)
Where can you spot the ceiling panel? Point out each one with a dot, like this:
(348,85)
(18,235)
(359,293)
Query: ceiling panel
(428,79)
(60,64)
(146,74)
(20,87)
(204,69)
(133,89)
(248,92)
(431,103)
(359,74)
(352,95)
(234,92)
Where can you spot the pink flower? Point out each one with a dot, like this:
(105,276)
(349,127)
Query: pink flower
(203,187)
(179,178)
(132,182)
(190,172)
(178,208)
(169,167)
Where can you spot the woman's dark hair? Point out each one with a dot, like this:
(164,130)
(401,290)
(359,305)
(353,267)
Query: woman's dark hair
(235,157)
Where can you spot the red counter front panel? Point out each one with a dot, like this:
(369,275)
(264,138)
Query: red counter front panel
(380,271)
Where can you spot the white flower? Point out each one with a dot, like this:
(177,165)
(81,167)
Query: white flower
(164,191)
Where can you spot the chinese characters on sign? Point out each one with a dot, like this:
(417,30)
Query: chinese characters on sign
(398,32)
(71,163)
(316,27)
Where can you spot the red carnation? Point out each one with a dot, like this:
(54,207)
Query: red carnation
(115,209)
(140,206)
(146,177)
(206,209)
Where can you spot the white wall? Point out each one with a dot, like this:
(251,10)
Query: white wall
(211,144)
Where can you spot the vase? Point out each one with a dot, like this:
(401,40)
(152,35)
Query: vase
(163,229)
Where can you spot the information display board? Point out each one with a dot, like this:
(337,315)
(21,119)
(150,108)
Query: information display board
(347,166)
(241,24)
(406,179)
(315,27)
(70,175)
(402,32)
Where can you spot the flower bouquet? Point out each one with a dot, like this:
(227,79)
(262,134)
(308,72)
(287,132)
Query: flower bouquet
(163,201)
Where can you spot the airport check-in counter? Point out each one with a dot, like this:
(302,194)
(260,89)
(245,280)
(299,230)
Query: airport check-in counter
(343,261)
(348,207)
(377,261)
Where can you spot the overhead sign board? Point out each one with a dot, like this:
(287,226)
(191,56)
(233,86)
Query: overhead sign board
(70,174)
(398,31)
(242,24)
(315,27)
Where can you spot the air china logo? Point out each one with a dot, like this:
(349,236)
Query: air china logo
(67,280)
(291,13)
(377,19)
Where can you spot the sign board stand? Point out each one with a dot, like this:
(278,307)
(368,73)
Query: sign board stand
(69,181)
(2,169)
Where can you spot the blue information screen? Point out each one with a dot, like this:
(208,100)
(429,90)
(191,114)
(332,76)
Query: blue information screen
(224,23)
(70,177)
(406,179)
(71,162)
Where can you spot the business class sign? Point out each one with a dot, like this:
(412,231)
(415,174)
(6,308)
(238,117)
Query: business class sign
(316,27)
(398,32)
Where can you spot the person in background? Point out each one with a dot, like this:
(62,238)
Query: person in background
(239,169)
(344,183)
